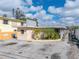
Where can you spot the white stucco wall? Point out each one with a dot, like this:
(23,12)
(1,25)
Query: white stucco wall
(61,33)
(77,33)
(26,36)
(1,21)
(29,35)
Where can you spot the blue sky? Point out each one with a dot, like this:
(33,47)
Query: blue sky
(48,12)
(45,5)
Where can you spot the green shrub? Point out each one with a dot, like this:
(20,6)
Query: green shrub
(48,34)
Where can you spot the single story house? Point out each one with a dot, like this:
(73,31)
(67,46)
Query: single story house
(26,33)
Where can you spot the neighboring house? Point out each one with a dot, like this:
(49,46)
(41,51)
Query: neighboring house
(12,22)
(8,27)
(27,32)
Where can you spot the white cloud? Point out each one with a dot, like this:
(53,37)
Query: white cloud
(5,12)
(72,12)
(25,9)
(29,15)
(1,12)
(9,4)
(48,17)
(40,14)
(43,15)
(29,2)
(69,20)
(52,9)
(69,13)
(6,6)
(33,8)
(70,4)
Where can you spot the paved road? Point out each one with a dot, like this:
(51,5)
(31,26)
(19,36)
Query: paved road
(37,50)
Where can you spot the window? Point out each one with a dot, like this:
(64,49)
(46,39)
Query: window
(22,23)
(22,31)
(5,21)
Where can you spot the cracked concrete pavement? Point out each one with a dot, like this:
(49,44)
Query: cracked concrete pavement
(16,49)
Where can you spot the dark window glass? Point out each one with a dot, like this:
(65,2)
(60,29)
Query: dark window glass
(57,30)
(22,23)
(5,21)
(22,31)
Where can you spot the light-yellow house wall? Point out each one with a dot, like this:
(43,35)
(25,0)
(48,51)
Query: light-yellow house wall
(8,35)
(12,23)
(26,36)
(18,24)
